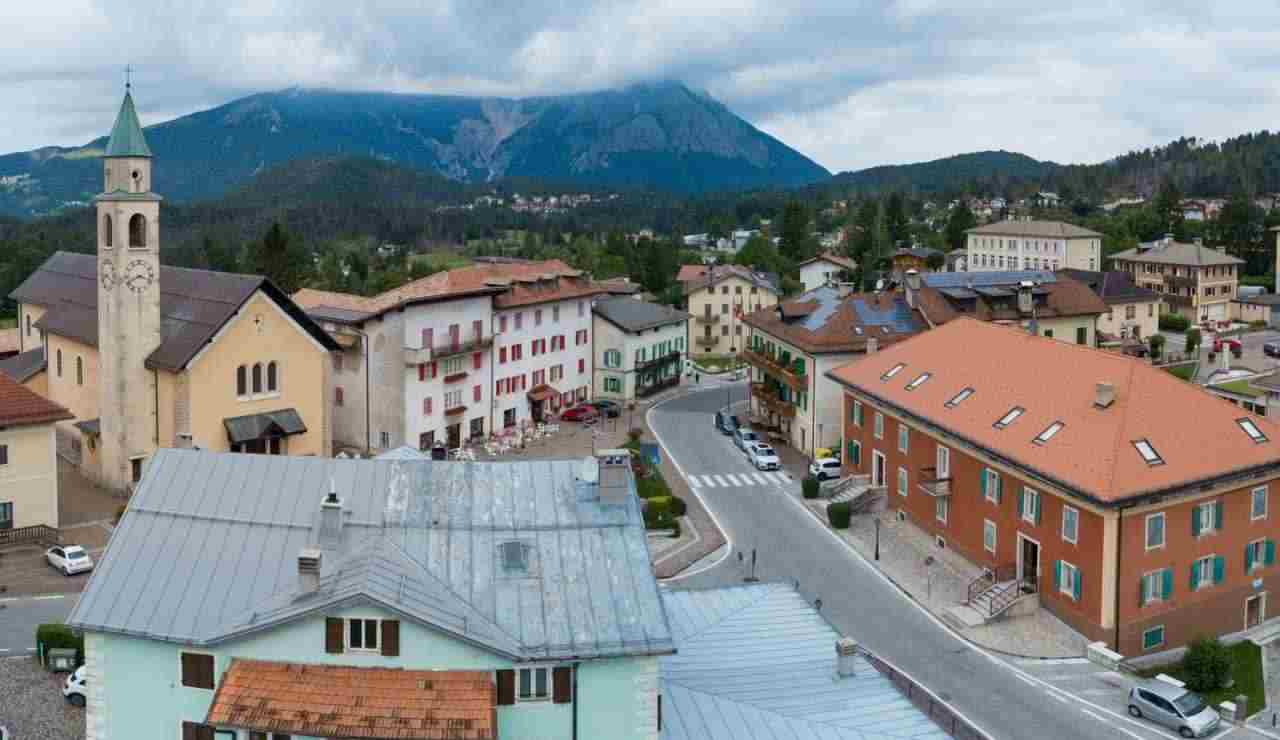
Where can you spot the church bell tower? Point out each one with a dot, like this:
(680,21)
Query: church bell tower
(128,301)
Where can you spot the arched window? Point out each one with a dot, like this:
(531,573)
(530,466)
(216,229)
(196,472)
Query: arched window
(272,387)
(79,371)
(242,381)
(137,230)
(59,363)
(106,230)
(257,377)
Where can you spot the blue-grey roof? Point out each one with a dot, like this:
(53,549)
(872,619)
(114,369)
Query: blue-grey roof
(897,315)
(126,135)
(403,452)
(986,279)
(208,552)
(22,367)
(759,662)
(632,315)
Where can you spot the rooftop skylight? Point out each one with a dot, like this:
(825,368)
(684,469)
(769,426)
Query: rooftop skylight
(1048,433)
(919,381)
(1009,418)
(892,371)
(957,398)
(1149,454)
(1252,430)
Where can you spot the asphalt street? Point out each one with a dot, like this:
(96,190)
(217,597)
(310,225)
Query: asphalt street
(1000,697)
(20,616)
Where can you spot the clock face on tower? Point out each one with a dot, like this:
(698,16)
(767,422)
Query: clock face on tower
(108,274)
(138,276)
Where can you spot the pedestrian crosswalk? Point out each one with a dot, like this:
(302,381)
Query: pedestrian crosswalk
(738,480)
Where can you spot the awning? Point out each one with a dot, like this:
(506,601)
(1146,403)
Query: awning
(91,426)
(542,393)
(344,701)
(264,426)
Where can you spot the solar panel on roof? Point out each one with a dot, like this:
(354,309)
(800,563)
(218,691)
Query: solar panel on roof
(986,279)
(959,294)
(995,292)
(895,316)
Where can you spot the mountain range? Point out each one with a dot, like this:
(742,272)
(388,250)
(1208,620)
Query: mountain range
(661,136)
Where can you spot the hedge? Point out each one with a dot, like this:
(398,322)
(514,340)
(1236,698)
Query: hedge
(56,635)
(1174,322)
(810,486)
(838,514)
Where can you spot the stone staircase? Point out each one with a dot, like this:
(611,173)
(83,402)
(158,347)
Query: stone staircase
(990,596)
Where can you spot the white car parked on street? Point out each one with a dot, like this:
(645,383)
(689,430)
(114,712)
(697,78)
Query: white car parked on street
(70,559)
(763,457)
(825,468)
(74,688)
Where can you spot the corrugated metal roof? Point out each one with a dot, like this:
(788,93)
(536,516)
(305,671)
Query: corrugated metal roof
(22,367)
(759,661)
(208,551)
(633,315)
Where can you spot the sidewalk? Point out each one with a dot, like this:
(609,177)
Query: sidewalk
(1269,719)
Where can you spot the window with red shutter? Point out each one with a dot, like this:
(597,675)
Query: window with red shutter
(337,396)
(497,388)
(434,368)
(455,336)
(502,355)
(477,329)
(523,384)
(475,360)
(502,324)
(422,371)
(475,393)
(426,406)
(582,366)
(426,338)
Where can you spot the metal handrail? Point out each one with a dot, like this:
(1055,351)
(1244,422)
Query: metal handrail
(990,578)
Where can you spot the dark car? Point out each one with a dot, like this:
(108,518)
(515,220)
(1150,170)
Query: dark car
(585,412)
(726,423)
(1271,349)
(608,408)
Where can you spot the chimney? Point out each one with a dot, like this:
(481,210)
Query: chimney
(331,515)
(913,286)
(609,471)
(846,653)
(1025,299)
(1104,394)
(309,569)
(873,344)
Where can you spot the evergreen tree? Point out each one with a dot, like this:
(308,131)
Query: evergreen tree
(897,223)
(960,221)
(795,231)
(279,260)
(1168,207)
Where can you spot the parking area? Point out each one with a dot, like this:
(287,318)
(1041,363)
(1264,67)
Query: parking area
(31,703)
(24,570)
(1251,355)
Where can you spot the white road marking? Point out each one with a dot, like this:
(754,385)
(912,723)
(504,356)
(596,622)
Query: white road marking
(1025,680)
(706,481)
(720,481)
(733,479)
(46,597)
(760,478)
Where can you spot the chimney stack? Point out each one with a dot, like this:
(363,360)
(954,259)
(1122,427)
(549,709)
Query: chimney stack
(1104,395)
(873,344)
(309,569)
(1025,299)
(609,472)
(846,653)
(913,286)
(331,515)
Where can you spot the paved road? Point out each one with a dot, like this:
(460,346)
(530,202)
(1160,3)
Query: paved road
(20,616)
(1000,697)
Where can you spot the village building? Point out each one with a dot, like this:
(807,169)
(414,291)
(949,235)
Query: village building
(1133,312)
(718,300)
(1024,244)
(825,269)
(1193,280)
(638,348)
(28,457)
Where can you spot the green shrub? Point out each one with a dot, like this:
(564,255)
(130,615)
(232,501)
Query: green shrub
(678,506)
(1174,322)
(1207,664)
(675,528)
(56,635)
(839,514)
(657,512)
(809,487)
(634,433)
(1157,345)
(1193,340)
(1257,324)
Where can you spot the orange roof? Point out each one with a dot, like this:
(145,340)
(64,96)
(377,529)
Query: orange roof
(1195,434)
(21,406)
(690,272)
(341,701)
(8,341)
(471,280)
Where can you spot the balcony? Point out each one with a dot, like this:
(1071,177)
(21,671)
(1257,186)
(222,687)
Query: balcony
(454,410)
(932,485)
(771,402)
(705,341)
(455,377)
(669,358)
(649,390)
(708,318)
(771,367)
(421,355)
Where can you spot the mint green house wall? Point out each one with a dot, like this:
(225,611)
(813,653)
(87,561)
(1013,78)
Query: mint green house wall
(136,691)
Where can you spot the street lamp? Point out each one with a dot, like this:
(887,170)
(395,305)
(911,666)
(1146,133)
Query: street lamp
(877,539)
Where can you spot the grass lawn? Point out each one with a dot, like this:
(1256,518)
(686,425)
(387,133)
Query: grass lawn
(8,323)
(716,363)
(1186,372)
(1246,660)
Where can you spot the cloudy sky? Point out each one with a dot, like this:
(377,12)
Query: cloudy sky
(851,83)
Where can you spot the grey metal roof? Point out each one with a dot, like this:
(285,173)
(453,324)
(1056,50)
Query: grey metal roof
(985,279)
(1114,286)
(126,135)
(635,315)
(208,551)
(759,662)
(22,367)
(267,424)
(194,305)
(90,426)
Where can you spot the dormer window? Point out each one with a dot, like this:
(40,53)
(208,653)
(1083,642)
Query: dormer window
(513,557)
(1048,433)
(1251,429)
(1148,453)
(892,371)
(957,398)
(1009,417)
(919,381)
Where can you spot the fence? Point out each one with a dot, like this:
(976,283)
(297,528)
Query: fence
(926,701)
(39,533)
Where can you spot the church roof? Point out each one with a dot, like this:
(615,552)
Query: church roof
(126,136)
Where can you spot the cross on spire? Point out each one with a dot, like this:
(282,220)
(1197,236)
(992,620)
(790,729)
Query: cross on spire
(128,74)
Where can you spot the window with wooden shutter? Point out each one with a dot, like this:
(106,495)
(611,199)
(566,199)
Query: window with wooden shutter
(562,685)
(390,637)
(197,670)
(506,688)
(332,635)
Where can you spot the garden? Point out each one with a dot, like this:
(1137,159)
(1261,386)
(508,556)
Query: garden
(1219,672)
(662,509)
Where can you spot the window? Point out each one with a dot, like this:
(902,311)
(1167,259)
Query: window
(582,365)
(242,381)
(4,454)
(1029,506)
(942,459)
(426,407)
(1258,503)
(1252,430)
(257,378)
(106,231)
(919,381)
(452,400)
(502,355)
(337,396)
(28,324)
(537,317)
(1206,518)
(582,308)
(1070,524)
(533,684)
(1149,454)
(1156,586)
(6,515)
(454,366)
(1048,433)
(59,357)
(903,435)
(475,394)
(79,371)
(519,320)
(856,413)
(197,670)
(990,482)
(1155,531)
(879,427)
(362,634)
(272,380)
(892,371)
(940,508)
(135,469)
(957,398)
(137,230)
(1206,571)
(197,731)
(612,385)
(502,324)
(1259,553)
(1068,580)
(989,536)
(902,481)
(1153,638)
(385,439)
(1009,417)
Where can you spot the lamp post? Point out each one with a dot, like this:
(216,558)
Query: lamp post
(877,539)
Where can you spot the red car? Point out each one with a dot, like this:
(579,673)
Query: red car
(1232,344)
(584,412)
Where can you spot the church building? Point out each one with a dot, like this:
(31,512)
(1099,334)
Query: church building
(146,356)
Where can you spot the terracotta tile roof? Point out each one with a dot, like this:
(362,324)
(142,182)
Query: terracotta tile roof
(1061,298)
(823,320)
(691,272)
(348,702)
(21,406)
(9,341)
(1194,432)
(834,259)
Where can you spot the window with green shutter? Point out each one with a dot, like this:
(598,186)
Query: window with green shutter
(1153,638)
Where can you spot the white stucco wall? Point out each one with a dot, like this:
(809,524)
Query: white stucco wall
(575,316)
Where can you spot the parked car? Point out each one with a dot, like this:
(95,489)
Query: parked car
(1271,349)
(606,408)
(763,457)
(73,689)
(743,437)
(1174,707)
(4,733)
(1232,344)
(583,412)
(70,559)
(726,423)
(825,468)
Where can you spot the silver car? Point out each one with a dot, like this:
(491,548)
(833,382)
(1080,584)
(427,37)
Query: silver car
(1174,707)
(743,437)
(762,456)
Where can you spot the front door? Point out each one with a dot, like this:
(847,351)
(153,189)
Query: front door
(454,434)
(1255,608)
(877,469)
(535,409)
(1029,561)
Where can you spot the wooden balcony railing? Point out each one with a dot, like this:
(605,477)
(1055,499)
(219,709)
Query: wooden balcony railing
(771,401)
(420,355)
(932,484)
(778,371)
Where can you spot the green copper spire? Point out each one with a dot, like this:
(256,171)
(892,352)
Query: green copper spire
(126,136)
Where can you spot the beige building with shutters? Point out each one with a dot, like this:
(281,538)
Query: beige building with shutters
(718,300)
